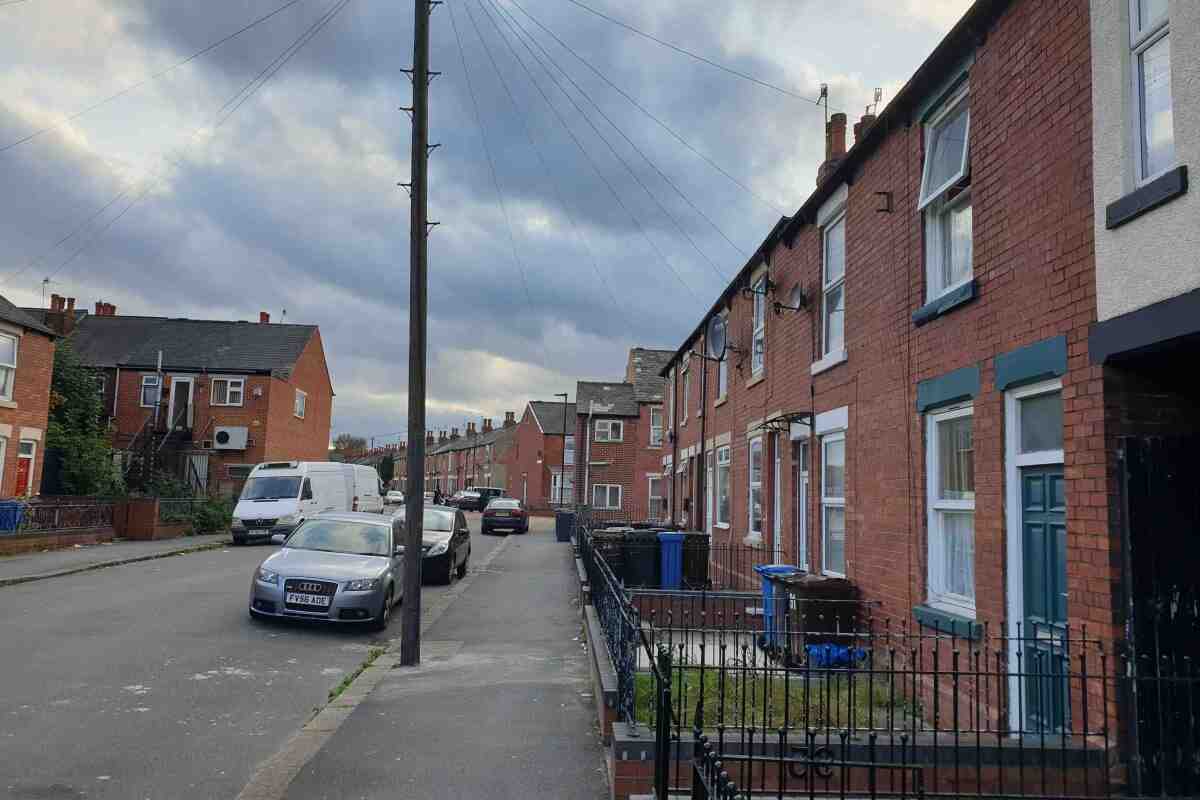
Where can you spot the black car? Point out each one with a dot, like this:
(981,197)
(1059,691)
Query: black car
(466,500)
(485,494)
(445,543)
(505,514)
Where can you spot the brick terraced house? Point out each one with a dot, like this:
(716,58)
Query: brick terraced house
(484,456)
(545,442)
(908,399)
(620,437)
(224,397)
(26,365)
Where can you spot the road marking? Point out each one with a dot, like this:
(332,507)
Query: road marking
(272,778)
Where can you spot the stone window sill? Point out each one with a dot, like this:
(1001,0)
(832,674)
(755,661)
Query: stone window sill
(757,379)
(1161,190)
(720,401)
(945,622)
(828,362)
(753,540)
(8,404)
(945,303)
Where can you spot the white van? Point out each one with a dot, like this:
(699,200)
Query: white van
(279,495)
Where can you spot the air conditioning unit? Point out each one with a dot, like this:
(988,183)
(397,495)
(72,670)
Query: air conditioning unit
(230,437)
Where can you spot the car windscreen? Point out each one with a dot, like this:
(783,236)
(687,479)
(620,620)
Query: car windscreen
(340,536)
(504,504)
(272,487)
(436,519)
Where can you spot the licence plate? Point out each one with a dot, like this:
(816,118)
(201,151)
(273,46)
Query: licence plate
(501,513)
(301,599)
(260,532)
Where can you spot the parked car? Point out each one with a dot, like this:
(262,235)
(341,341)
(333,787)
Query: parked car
(469,500)
(445,542)
(335,567)
(395,497)
(505,514)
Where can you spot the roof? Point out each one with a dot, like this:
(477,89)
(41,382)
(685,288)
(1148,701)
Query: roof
(551,417)
(648,366)
(213,346)
(467,442)
(10,313)
(612,399)
(962,39)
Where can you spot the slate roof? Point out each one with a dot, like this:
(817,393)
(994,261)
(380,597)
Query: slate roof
(188,344)
(610,399)
(550,416)
(494,436)
(10,313)
(648,385)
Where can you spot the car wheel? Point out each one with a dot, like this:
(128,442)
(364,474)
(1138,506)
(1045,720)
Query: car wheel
(385,612)
(462,568)
(448,577)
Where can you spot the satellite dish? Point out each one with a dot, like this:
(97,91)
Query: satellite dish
(715,337)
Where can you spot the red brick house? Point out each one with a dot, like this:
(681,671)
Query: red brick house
(544,451)
(620,435)
(224,397)
(482,457)
(26,365)
(907,400)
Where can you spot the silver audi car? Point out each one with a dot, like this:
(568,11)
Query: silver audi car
(335,567)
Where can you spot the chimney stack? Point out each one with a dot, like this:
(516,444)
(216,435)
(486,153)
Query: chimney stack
(71,305)
(428,438)
(56,302)
(470,429)
(835,146)
(453,434)
(487,424)
(441,437)
(863,125)
(510,419)
(264,318)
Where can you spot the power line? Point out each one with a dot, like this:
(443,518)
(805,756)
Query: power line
(632,172)
(600,74)
(153,76)
(647,159)
(549,174)
(696,56)
(595,167)
(10,2)
(223,114)
(487,151)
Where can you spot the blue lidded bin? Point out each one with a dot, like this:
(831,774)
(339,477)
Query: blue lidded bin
(10,515)
(671,560)
(772,606)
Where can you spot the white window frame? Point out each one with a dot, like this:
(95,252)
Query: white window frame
(751,485)
(229,382)
(828,285)
(607,426)
(684,375)
(650,495)
(833,501)
(607,487)
(1140,40)
(722,378)
(656,431)
(32,458)
(3,456)
(758,339)
(7,393)
(569,450)
(801,450)
(936,508)
(671,403)
(934,204)
(300,404)
(154,380)
(723,464)
(949,108)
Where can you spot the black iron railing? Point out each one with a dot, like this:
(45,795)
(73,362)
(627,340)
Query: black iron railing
(46,517)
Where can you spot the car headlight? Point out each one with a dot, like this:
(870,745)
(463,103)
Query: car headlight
(289,519)
(237,522)
(362,585)
(438,548)
(266,576)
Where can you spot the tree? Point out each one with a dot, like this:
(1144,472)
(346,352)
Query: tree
(349,443)
(387,468)
(77,429)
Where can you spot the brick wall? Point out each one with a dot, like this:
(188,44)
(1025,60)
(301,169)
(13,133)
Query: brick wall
(25,417)
(288,437)
(628,463)
(533,455)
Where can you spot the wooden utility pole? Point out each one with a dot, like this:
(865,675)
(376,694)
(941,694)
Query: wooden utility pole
(414,492)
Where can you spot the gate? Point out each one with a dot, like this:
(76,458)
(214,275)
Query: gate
(1161,527)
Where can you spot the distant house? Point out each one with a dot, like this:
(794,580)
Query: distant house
(480,457)
(209,399)
(26,363)
(545,450)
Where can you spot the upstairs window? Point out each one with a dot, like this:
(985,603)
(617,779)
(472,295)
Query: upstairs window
(1150,56)
(759,340)
(722,377)
(946,198)
(656,426)
(568,451)
(300,403)
(227,391)
(8,365)
(833,303)
(687,394)
(610,430)
(151,391)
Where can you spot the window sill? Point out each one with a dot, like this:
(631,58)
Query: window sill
(753,540)
(722,525)
(720,401)
(1161,190)
(828,362)
(756,379)
(8,403)
(946,622)
(945,303)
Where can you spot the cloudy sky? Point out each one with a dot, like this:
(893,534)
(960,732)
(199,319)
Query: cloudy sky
(206,193)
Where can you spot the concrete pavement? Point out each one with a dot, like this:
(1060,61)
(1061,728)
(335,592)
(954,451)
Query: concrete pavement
(500,707)
(150,681)
(56,563)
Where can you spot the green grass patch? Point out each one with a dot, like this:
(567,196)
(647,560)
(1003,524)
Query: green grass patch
(372,654)
(758,699)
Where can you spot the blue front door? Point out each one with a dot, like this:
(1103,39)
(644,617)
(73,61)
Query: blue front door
(1044,659)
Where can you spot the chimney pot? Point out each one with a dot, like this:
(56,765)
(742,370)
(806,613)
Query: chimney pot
(71,304)
(510,419)
(110,310)
(99,308)
(263,318)
(835,146)
(863,125)
(55,302)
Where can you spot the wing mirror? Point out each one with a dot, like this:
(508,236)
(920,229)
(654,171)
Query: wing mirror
(278,538)
(399,551)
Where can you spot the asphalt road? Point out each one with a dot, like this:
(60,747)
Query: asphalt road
(150,681)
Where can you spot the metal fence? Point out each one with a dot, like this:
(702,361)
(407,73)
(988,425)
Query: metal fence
(46,517)
(173,511)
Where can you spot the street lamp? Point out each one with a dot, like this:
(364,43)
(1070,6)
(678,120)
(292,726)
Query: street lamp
(562,469)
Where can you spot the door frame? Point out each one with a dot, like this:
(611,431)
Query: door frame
(190,380)
(1013,461)
(777,498)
